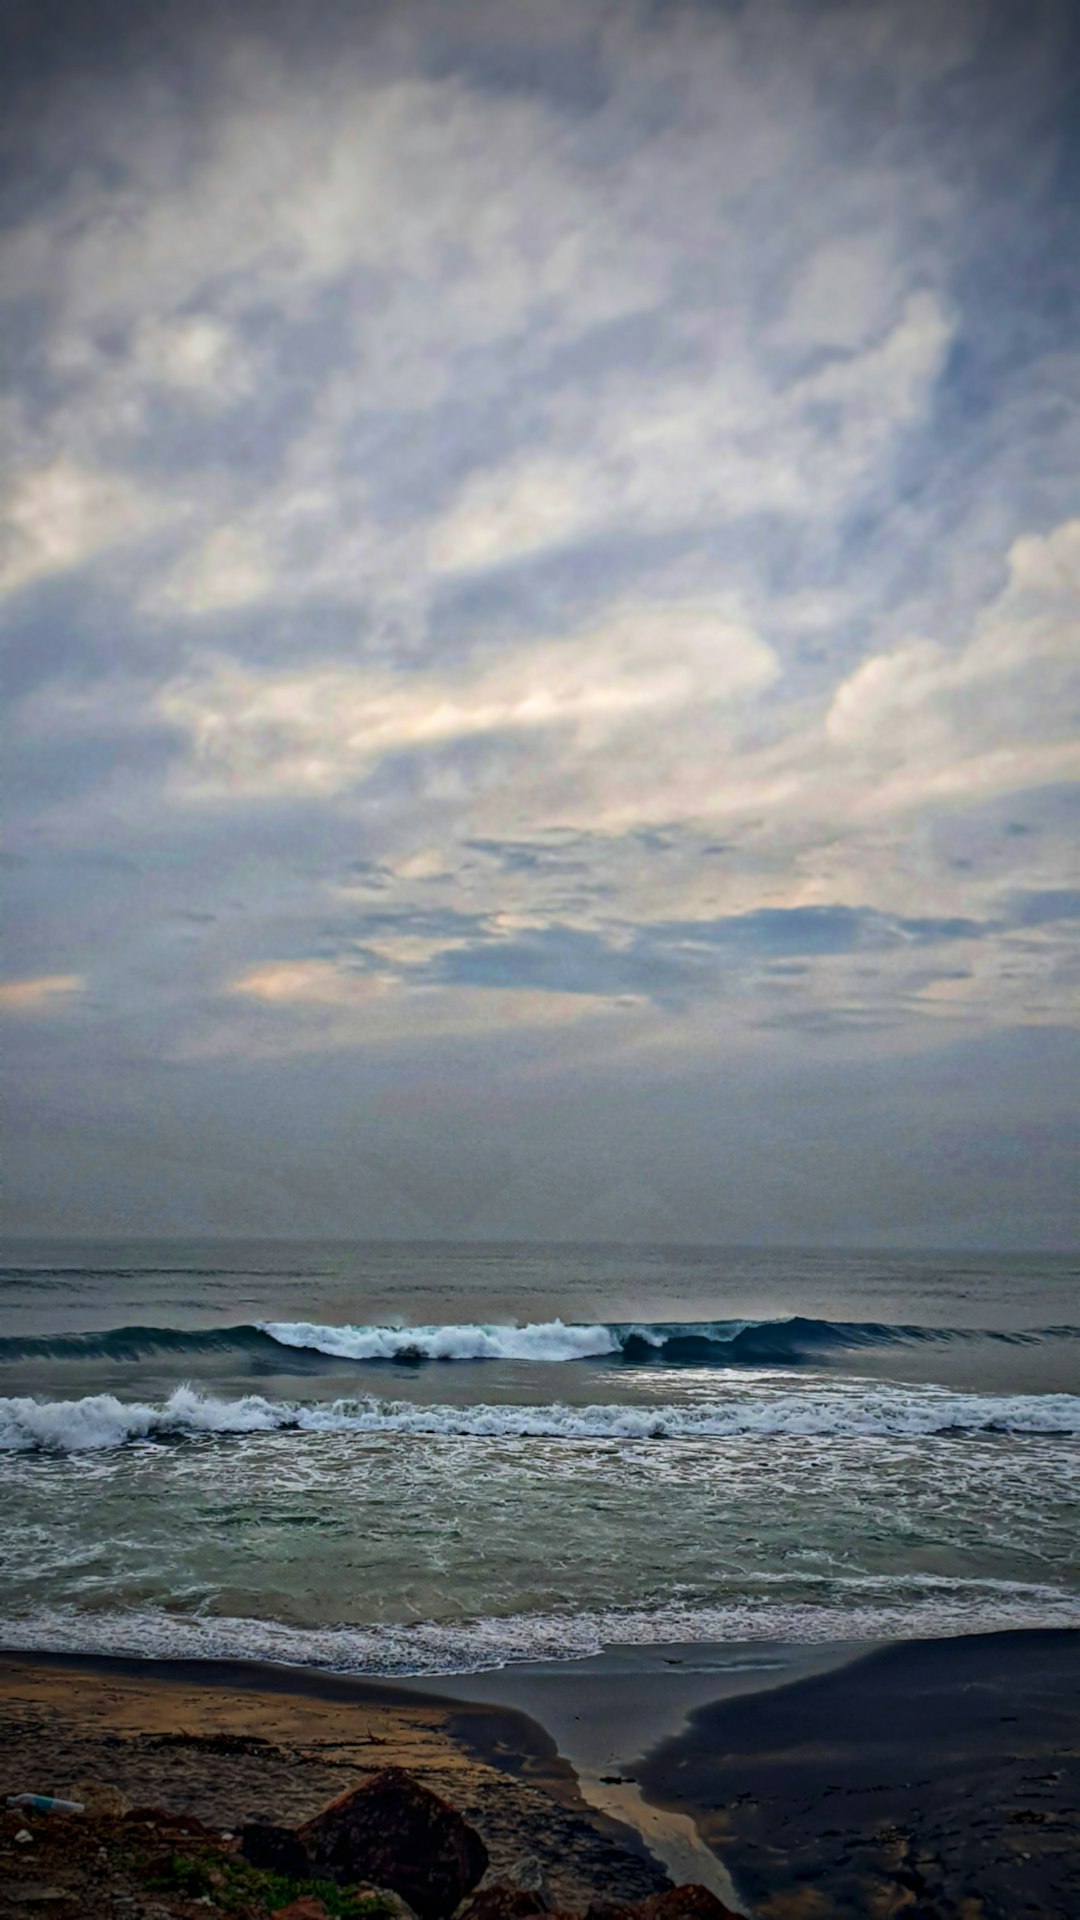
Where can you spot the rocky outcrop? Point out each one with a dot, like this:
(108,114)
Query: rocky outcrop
(276,1848)
(501,1902)
(392,1904)
(528,1872)
(396,1833)
(675,1903)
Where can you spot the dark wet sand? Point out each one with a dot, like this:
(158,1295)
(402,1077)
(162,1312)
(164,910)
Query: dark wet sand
(607,1712)
(929,1779)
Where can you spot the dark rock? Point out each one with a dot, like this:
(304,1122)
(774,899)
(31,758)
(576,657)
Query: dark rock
(182,1823)
(528,1872)
(394,1905)
(682,1903)
(399,1834)
(276,1848)
(501,1903)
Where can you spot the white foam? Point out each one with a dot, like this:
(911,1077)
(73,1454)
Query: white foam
(889,1609)
(756,1409)
(549,1341)
(101,1420)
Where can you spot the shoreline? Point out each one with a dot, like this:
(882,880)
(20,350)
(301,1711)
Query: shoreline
(608,1711)
(230,1742)
(766,1771)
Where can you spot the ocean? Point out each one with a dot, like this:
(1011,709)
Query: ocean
(432,1459)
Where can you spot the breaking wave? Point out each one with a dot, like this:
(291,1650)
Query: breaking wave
(102,1421)
(861,1608)
(706,1343)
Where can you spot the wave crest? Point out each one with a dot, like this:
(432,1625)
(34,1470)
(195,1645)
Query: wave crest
(102,1421)
(706,1343)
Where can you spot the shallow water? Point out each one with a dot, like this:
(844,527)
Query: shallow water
(431,1459)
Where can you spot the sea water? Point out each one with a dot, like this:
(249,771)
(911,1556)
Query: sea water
(425,1459)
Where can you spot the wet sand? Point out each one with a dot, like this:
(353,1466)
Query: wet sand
(606,1713)
(938,1780)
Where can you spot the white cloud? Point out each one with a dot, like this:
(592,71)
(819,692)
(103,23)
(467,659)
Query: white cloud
(57,517)
(843,294)
(199,356)
(990,716)
(40,993)
(307,983)
(230,569)
(645,454)
(319,730)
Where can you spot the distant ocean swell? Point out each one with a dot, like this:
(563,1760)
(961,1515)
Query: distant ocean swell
(859,1608)
(722,1343)
(102,1422)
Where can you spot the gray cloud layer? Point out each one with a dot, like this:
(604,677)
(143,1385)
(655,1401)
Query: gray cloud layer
(540,557)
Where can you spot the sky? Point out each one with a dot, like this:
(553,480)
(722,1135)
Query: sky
(539,575)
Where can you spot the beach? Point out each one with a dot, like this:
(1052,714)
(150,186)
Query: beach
(926,1778)
(751,1571)
(165,1734)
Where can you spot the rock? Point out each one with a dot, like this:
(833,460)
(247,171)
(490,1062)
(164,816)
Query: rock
(306,1908)
(398,1834)
(682,1903)
(501,1902)
(690,1902)
(528,1873)
(24,1837)
(277,1848)
(31,1895)
(182,1823)
(400,1908)
(99,1799)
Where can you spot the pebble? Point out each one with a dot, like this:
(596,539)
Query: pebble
(24,1837)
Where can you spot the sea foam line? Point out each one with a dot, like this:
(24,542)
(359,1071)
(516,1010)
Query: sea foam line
(861,1609)
(848,1409)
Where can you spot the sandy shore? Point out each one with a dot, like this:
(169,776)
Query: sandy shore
(935,1780)
(160,1731)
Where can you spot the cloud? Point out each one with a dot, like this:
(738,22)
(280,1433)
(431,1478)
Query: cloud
(230,569)
(533,520)
(992,714)
(692,450)
(306,983)
(1045,909)
(320,730)
(59,516)
(41,994)
(197,355)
